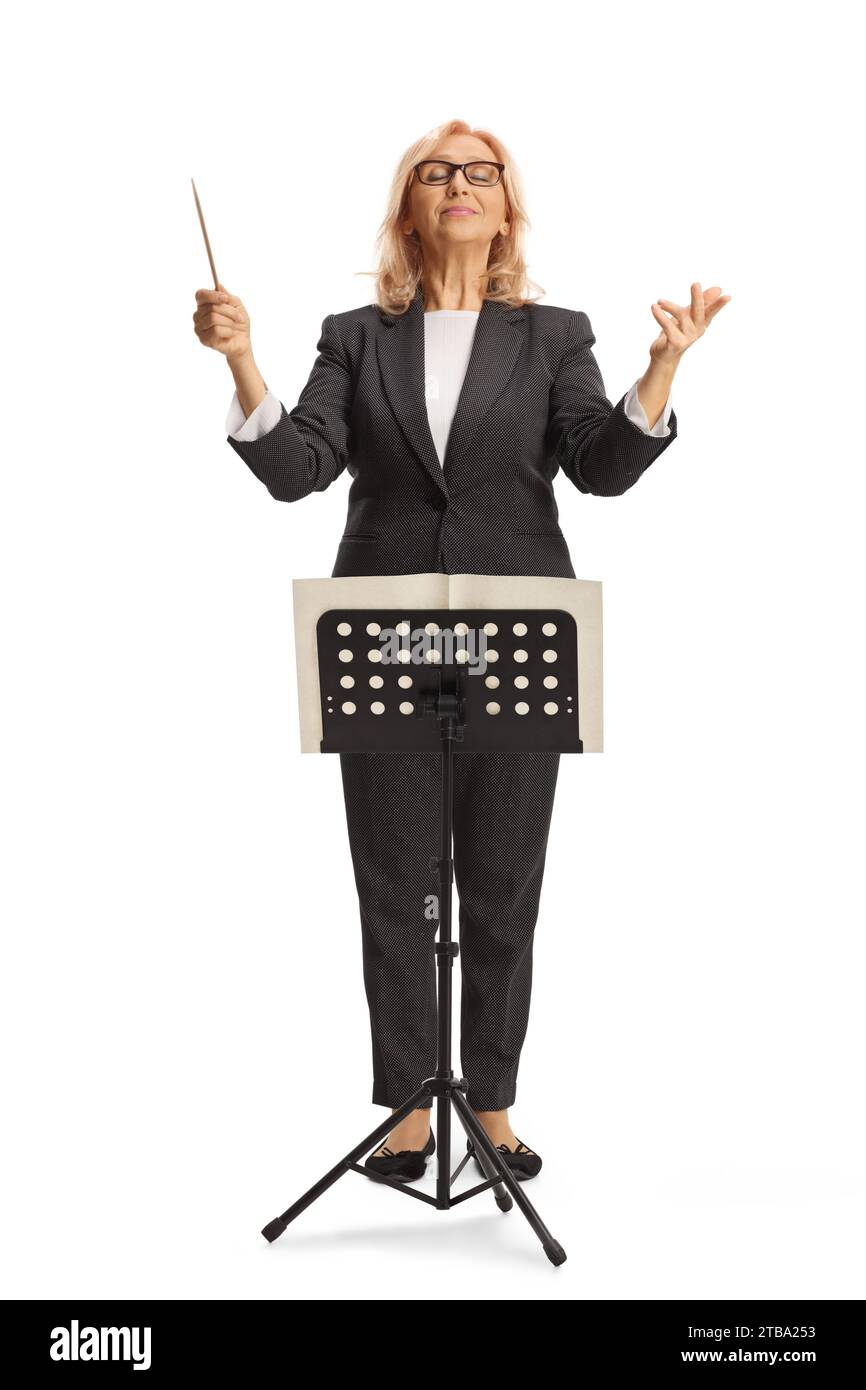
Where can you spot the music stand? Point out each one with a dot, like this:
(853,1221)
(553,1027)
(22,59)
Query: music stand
(491,679)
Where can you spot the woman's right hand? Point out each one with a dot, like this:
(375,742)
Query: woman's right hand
(221,322)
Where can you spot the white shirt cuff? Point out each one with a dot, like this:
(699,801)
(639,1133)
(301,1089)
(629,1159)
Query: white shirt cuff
(636,413)
(247,428)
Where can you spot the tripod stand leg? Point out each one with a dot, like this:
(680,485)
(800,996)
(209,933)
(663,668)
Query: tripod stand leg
(490,1170)
(484,1146)
(276,1227)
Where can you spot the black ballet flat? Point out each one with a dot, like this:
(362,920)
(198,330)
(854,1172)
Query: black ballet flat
(407,1166)
(523,1163)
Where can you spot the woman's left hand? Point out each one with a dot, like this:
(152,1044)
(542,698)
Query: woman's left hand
(682,325)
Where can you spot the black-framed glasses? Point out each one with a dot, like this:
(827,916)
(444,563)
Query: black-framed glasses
(482,172)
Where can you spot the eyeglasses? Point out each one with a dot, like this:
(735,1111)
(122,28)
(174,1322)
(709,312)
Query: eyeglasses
(482,172)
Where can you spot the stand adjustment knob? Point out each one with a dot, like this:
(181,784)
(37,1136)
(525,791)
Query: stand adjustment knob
(435,865)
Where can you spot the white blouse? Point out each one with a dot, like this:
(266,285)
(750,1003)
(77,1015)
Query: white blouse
(448,336)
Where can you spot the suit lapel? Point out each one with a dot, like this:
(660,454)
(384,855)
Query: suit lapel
(499,335)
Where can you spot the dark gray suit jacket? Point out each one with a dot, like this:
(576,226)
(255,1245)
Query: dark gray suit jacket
(532,403)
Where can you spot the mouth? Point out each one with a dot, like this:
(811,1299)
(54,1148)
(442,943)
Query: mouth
(459,212)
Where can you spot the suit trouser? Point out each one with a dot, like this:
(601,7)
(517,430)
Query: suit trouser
(502,809)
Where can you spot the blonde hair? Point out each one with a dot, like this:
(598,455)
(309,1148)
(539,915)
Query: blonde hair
(400,258)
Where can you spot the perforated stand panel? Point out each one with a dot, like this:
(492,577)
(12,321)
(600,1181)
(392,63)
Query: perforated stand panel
(521,692)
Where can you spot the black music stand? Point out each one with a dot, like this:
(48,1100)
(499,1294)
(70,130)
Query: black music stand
(515,686)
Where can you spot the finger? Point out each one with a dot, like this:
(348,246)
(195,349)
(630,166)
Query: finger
(671,328)
(211,313)
(212,296)
(698,306)
(672,308)
(221,332)
(715,308)
(232,298)
(218,334)
(236,315)
(225,320)
(667,323)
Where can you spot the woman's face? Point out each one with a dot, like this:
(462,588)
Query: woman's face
(432,207)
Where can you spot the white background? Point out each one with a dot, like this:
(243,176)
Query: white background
(185,1034)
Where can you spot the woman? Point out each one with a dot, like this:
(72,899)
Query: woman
(452,402)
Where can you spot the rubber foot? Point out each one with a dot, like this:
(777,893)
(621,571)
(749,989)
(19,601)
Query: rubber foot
(274,1228)
(555,1253)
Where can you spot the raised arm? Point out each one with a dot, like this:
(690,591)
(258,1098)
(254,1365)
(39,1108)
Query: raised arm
(308,446)
(293,452)
(599,446)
